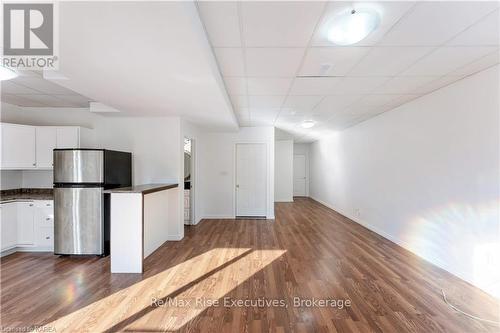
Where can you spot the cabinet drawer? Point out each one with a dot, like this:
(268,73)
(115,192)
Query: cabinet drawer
(46,221)
(48,204)
(45,237)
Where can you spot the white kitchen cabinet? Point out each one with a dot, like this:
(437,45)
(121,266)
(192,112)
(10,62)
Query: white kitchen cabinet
(18,146)
(46,141)
(31,147)
(68,137)
(44,225)
(25,223)
(45,238)
(8,227)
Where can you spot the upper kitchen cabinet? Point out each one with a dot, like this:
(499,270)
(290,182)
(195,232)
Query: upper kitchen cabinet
(46,141)
(31,147)
(18,146)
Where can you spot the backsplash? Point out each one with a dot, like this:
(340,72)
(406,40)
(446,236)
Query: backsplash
(15,179)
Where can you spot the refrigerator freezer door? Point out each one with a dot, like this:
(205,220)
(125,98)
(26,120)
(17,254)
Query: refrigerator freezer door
(78,166)
(78,219)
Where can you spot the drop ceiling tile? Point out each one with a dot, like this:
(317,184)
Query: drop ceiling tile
(273,62)
(403,84)
(301,103)
(279,24)
(339,60)
(436,84)
(268,86)
(315,85)
(388,61)
(343,121)
(8,87)
(230,61)
(378,99)
(221,22)
(266,102)
(433,23)
(264,116)
(478,65)
(335,104)
(42,86)
(446,59)
(390,12)
(484,32)
(365,110)
(359,85)
(236,85)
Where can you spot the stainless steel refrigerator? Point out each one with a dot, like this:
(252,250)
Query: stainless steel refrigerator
(81,209)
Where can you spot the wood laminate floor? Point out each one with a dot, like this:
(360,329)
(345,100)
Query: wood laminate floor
(309,252)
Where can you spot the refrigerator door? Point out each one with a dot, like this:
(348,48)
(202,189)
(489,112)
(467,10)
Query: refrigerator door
(78,166)
(78,219)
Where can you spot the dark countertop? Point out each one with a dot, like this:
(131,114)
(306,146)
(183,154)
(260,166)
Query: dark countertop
(26,194)
(144,188)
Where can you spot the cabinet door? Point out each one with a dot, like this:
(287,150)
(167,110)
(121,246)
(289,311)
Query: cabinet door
(45,144)
(25,223)
(68,137)
(18,146)
(8,226)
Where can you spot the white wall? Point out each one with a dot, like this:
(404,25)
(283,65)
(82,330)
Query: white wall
(426,176)
(283,171)
(216,163)
(11,179)
(37,179)
(303,149)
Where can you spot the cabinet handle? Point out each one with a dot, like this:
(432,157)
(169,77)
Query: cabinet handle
(34,164)
(48,237)
(48,205)
(47,219)
(31,205)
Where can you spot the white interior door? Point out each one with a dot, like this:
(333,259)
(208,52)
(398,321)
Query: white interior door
(251,179)
(299,175)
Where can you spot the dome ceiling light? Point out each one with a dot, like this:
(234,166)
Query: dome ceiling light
(353,26)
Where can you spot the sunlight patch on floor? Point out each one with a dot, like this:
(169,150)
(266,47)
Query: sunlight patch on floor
(209,276)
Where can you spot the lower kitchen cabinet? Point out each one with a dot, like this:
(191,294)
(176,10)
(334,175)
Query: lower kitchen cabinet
(8,225)
(27,225)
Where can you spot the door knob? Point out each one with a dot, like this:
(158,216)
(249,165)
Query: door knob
(237,186)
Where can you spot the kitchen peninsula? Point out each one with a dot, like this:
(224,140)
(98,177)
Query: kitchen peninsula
(143,217)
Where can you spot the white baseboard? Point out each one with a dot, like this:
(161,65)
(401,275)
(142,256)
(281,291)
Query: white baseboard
(218,217)
(174,237)
(443,265)
(26,249)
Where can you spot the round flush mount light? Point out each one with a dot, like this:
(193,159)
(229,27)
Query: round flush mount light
(307,124)
(6,73)
(353,26)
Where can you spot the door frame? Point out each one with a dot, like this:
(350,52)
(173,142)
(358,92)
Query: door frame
(235,176)
(306,167)
(192,198)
